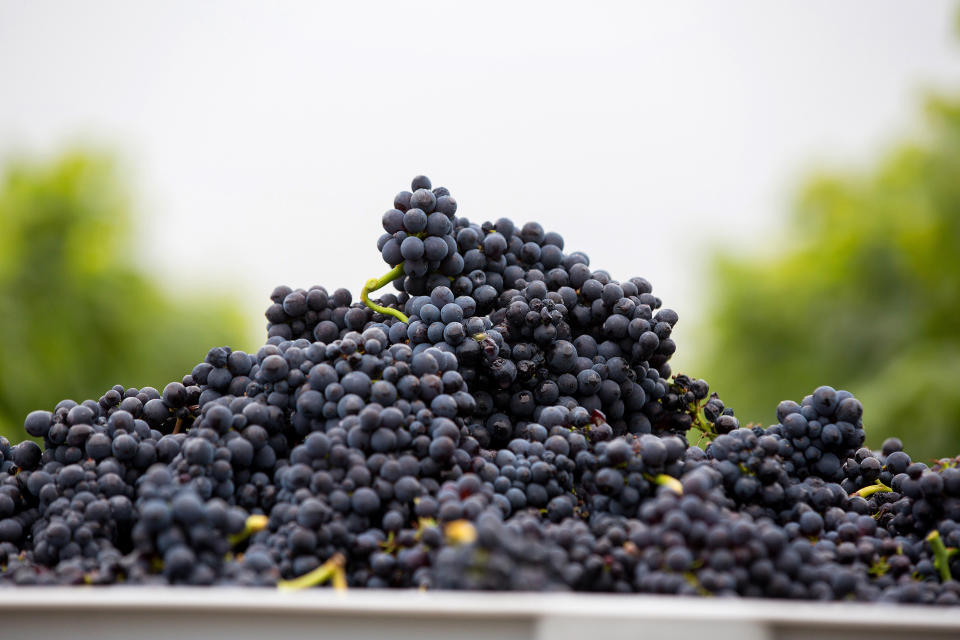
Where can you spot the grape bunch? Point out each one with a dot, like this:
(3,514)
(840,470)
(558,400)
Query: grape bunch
(418,240)
(506,418)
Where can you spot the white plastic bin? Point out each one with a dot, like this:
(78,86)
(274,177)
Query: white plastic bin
(129,613)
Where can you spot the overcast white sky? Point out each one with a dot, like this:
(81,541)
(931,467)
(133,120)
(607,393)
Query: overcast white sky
(266,139)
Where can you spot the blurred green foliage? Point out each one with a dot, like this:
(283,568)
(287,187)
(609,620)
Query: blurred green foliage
(862,292)
(76,315)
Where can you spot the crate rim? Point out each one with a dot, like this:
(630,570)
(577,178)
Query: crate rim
(401,603)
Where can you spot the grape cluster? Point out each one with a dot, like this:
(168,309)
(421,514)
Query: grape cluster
(506,419)
(817,435)
(419,237)
(315,314)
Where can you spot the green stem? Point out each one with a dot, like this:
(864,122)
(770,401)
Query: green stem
(866,492)
(331,570)
(664,480)
(704,424)
(253,524)
(700,422)
(693,581)
(940,558)
(376,283)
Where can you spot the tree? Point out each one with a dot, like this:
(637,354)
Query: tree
(76,315)
(862,293)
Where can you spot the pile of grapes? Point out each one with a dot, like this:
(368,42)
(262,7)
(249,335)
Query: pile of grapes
(507,419)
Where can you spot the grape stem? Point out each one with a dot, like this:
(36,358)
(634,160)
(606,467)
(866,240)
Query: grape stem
(941,560)
(866,492)
(376,283)
(253,524)
(701,424)
(664,480)
(332,570)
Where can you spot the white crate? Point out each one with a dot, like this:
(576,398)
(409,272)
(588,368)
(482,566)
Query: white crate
(127,613)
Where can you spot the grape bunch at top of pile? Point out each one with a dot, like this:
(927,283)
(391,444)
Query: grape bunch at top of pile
(507,418)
